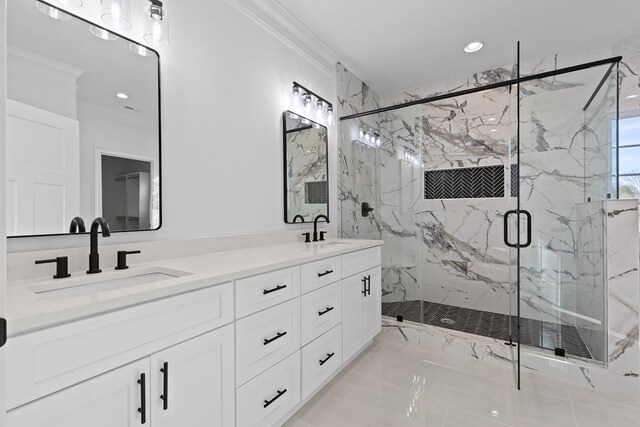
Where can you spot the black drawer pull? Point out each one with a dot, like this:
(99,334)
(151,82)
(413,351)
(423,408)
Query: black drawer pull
(143,399)
(277,288)
(270,340)
(165,386)
(329,356)
(322,313)
(368,285)
(325,273)
(364,288)
(269,402)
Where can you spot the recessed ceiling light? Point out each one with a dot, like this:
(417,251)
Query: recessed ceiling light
(493,130)
(473,47)
(631,97)
(491,119)
(122,95)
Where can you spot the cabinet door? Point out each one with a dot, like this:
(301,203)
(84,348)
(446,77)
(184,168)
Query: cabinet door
(193,382)
(111,399)
(372,305)
(352,296)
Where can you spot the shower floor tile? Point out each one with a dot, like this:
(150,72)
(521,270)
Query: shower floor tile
(533,333)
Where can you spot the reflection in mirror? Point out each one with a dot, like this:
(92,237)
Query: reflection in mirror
(83,125)
(306,169)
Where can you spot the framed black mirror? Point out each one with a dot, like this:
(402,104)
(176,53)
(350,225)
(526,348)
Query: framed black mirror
(306,169)
(83,125)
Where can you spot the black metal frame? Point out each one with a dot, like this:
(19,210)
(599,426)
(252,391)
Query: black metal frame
(286,132)
(517,80)
(159,129)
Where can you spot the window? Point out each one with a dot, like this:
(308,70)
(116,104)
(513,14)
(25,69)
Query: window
(629,158)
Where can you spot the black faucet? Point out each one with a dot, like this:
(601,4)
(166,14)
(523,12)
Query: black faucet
(295,218)
(315,227)
(94,257)
(77,225)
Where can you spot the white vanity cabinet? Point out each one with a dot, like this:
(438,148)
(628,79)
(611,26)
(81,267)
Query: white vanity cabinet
(193,381)
(244,353)
(109,400)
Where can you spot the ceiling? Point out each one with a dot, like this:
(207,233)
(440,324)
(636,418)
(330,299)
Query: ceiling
(400,44)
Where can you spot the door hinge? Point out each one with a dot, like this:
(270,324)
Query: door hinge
(3,331)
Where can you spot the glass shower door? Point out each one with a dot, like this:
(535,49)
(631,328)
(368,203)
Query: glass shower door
(564,174)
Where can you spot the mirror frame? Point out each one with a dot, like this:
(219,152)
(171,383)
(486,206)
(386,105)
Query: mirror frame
(285,162)
(88,223)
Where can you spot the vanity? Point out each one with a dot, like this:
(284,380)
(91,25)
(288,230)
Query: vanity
(242,337)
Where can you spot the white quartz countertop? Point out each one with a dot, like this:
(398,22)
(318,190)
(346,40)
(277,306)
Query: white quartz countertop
(28,309)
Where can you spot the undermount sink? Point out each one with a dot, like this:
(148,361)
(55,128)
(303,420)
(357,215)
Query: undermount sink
(91,285)
(326,245)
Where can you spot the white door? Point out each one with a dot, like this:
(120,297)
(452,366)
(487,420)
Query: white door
(43,170)
(109,400)
(352,296)
(372,305)
(193,382)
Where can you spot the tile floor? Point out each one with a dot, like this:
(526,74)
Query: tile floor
(395,383)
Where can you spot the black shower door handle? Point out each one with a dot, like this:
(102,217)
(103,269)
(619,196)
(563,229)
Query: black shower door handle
(528,215)
(506,229)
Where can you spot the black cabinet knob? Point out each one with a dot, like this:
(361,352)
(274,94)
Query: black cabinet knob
(122,259)
(62,266)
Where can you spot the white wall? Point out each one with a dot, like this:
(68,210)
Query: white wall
(225,78)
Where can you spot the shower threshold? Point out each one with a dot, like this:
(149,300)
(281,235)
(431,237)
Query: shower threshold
(534,333)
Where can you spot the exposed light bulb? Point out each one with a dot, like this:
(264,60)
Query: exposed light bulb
(361,133)
(307,103)
(320,110)
(367,137)
(295,96)
(71,3)
(330,115)
(157,33)
(116,14)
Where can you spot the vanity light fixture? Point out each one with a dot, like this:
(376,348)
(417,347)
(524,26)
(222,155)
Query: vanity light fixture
(52,12)
(631,97)
(310,102)
(122,95)
(116,13)
(101,33)
(156,26)
(370,137)
(474,46)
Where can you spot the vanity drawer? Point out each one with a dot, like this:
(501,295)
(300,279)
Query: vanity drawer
(321,310)
(320,273)
(320,359)
(267,398)
(264,339)
(266,290)
(51,359)
(357,262)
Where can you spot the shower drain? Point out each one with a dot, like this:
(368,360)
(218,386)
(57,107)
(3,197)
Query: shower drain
(447,321)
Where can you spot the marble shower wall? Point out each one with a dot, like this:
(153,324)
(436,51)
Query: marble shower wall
(464,260)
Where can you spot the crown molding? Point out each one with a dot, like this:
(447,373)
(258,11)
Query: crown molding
(25,61)
(281,24)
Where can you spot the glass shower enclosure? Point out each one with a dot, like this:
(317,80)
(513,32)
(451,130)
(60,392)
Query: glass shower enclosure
(489,202)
